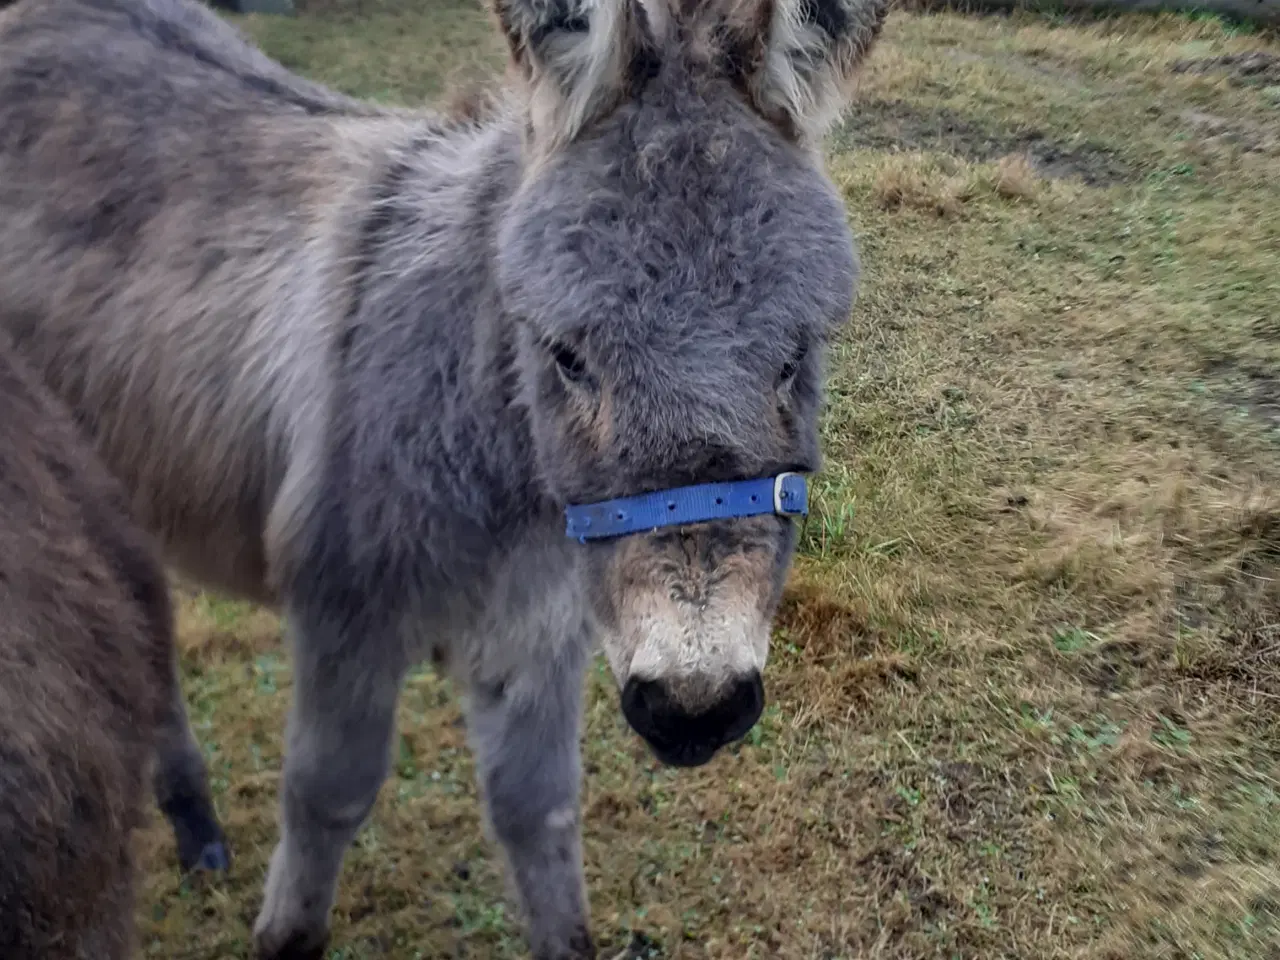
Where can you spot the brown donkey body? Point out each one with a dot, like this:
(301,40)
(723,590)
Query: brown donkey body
(86,684)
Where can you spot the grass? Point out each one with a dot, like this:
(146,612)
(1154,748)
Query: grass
(1025,688)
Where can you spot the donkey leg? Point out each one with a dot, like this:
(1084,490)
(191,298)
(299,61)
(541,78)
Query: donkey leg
(181,785)
(525,737)
(338,754)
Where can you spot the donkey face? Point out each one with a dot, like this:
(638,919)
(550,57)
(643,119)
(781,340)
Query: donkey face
(676,260)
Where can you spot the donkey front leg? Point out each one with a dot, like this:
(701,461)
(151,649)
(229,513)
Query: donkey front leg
(346,683)
(524,733)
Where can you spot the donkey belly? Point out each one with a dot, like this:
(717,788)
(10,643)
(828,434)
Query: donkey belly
(194,458)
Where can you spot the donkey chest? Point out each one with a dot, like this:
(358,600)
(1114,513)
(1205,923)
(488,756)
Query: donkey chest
(532,603)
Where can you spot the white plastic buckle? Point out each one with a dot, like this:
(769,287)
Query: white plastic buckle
(777,491)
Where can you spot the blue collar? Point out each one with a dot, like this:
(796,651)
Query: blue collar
(786,495)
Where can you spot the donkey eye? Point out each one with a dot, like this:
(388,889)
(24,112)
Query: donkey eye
(792,366)
(569,363)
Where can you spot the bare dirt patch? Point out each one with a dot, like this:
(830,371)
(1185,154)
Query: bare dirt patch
(1251,388)
(1264,402)
(1218,131)
(1255,68)
(1232,609)
(1119,665)
(900,125)
(975,799)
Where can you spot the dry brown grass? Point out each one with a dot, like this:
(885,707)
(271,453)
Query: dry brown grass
(1026,687)
(1016,178)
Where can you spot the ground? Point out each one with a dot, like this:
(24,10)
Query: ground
(1025,690)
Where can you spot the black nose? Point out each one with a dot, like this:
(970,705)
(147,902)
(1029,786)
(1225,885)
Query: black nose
(683,739)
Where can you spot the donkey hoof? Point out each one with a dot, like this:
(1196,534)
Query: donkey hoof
(297,946)
(201,843)
(207,854)
(214,858)
(579,946)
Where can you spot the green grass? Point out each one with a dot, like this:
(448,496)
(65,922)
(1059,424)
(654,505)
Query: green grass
(1025,686)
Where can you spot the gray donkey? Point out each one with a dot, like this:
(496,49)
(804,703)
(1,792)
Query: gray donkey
(491,386)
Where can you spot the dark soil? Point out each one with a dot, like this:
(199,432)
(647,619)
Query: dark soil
(1256,68)
(1247,136)
(1265,400)
(898,125)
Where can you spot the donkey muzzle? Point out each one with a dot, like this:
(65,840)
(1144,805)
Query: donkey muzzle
(683,739)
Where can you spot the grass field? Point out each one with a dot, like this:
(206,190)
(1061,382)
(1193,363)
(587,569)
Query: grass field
(1025,690)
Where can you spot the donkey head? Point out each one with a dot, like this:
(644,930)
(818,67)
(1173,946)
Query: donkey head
(676,259)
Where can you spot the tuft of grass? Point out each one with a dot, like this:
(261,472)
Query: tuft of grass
(1016,178)
(916,182)
(1024,694)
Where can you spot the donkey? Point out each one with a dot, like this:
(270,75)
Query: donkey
(87,679)
(490,386)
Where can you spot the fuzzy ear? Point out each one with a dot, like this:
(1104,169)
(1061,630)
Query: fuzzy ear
(579,57)
(811,55)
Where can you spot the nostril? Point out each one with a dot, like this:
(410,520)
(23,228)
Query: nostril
(745,706)
(646,707)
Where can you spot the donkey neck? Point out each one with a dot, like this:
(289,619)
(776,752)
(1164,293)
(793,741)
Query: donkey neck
(432,402)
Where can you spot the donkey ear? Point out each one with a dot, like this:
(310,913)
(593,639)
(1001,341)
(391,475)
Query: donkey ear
(812,54)
(578,56)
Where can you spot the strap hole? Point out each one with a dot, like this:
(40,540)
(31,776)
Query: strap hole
(754,498)
(671,505)
(621,515)
(719,501)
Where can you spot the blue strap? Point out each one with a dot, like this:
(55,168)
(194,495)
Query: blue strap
(786,494)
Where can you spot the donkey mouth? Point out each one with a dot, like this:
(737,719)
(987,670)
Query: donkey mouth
(679,738)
